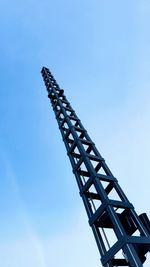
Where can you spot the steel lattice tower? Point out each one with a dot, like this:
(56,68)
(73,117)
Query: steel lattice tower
(110,213)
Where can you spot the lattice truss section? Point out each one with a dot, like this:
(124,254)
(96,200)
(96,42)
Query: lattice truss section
(122,237)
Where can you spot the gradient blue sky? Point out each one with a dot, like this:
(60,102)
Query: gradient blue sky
(99,52)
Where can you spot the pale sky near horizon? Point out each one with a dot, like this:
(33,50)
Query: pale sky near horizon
(99,52)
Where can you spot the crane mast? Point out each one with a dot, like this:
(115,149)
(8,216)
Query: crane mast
(122,236)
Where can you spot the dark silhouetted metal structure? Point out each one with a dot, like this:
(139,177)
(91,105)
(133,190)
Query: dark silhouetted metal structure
(122,237)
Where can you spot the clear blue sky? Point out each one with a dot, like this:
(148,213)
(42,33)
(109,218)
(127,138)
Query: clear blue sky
(99,52)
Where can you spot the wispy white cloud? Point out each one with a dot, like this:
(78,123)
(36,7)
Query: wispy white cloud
(27,251)
(75,246)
